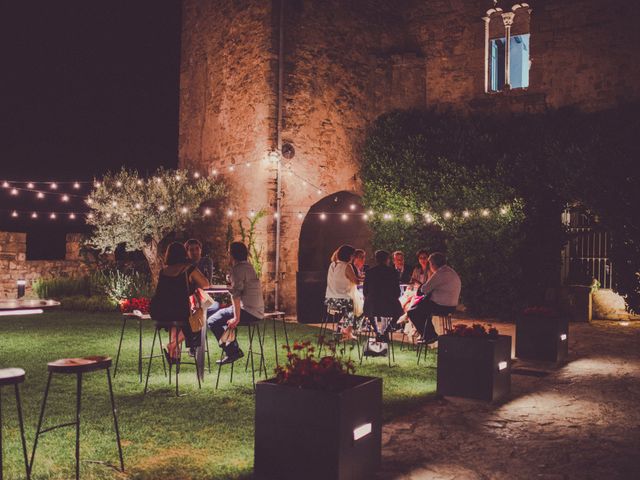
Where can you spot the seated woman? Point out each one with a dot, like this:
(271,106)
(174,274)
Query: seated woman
(341,289)
(421,271)
(381,293)
(178,280)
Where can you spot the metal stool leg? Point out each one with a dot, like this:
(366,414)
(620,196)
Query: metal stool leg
(284,327)
(21,424)
(153,343)
(1,467)
(78,403)
(44,404)
(261,340)
(253,369)
(140,349)
(115,420)
(206,339)
(164,364)
(219,368)
(275,341)
(115,368)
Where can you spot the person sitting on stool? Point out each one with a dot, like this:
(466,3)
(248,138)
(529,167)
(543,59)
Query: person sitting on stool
(247,302)
(441,291)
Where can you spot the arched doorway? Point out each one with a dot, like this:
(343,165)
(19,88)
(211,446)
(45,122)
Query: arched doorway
(331,222)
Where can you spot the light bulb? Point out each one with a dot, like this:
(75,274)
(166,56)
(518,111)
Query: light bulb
(447,215)
(485,212)
(352,206)
(97,184)
(76,185)
(503,210)
(30,185)
(248,164)
(365,216)
(386,216)
(90,215)
(40,195)
(196,175)
(54,186)
(14,191)
(465,214)
(72,216)
(108,215)
(214,172)
(161,208)
(52,216)
(231,168)
(5,184)
(118,184)
(319,192)
(114,204)
(14,214)
(344,217)
(65,198)
(139,182)
(184,209)
(323,216)
(34,215)
(229,213)
(304,183)
(89,201)
(177,177)
(138,206)
(370,213)
(207,211)
(408,217)
(275,215)
(300,216)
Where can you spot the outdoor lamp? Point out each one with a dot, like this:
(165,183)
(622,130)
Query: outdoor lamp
(21,286)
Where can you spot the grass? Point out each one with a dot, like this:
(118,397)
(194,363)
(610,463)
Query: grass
(207,434)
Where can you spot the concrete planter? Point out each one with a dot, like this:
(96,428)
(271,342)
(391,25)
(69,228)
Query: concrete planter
(315,434)
(474,367)
(542,338)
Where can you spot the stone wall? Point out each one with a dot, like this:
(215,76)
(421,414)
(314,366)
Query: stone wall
(14,265)
(346,63)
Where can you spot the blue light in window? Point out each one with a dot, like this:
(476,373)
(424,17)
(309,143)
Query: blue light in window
(519,62)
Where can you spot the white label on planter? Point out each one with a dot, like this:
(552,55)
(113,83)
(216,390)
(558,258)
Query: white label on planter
(502,365)
(361,431)
(563,336)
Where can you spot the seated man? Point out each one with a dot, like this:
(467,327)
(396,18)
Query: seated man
(247,302)
(441,292)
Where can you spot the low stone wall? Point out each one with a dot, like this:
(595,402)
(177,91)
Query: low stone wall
(14,265)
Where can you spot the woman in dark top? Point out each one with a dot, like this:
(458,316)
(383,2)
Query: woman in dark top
(178,280)
(382,291)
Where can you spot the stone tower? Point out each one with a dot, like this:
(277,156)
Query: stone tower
(257,75)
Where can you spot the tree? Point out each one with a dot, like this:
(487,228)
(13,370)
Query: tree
(140,213)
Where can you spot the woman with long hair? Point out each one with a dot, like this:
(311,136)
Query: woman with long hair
(178,280)
(342,284)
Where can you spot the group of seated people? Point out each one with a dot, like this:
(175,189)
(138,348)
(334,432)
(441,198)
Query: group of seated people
(356,292)
(186,270)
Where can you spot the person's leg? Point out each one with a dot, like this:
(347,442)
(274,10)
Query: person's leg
(421,317)
(217,322)
(213,308)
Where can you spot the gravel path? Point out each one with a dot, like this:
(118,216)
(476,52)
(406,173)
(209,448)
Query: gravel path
(580,421)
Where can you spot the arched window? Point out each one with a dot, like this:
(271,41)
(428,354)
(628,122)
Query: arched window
(507,42)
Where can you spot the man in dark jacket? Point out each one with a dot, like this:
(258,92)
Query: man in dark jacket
(403,270)
(382,292)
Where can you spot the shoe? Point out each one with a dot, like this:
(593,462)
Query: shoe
(427,341)
(384,337)
(192,351)
(230,357)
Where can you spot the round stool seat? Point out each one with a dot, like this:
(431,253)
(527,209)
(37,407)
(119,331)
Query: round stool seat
(11,376)
(79,365)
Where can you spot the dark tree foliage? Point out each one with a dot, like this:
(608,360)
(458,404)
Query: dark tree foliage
(419,161)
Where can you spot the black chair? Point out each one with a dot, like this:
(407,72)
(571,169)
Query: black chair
(169,325)
(371,333)
(77,367)
(14,376)
(446,326)
(140,318)
(275,317)
(253,328)
(334,317)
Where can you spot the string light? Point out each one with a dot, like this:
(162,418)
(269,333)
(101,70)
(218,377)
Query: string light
(231,168)
(5,184)
(52,216)
(138,206)
(214,172)
(161,208)
(54,186)
(178,177)
(76,185)
(485,212)
(34,215)
(65,198)
(30,185)
(465,214)
(207,211)
(323,216)
(89,201)
(344,217)
(97,184)
(118,184)
(300,216)
(319,192)
(447,215)
(503,210)
(275,215)
(90,215)
(196,175)
(252,214)
(229,213)
(14,214)
(40,195)
(72,216)
(365,216)
(428,218)
(114,204)
(352,206)
(184,210)
(386,216)
(370,213)
(108,215)
(408,217)
(14,191)
(139,182)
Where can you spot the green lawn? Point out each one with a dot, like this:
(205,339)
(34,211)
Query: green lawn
(207,434)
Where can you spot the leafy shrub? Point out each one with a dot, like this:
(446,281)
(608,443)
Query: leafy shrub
(96,303)
(117,285)
(59,287)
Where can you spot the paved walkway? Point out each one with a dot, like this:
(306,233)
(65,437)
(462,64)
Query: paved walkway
(581,421)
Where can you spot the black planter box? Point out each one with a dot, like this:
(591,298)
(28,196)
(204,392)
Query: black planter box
(309,434)
(542,338)
(471,367)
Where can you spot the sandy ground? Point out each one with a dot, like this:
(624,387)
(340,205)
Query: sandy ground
(579,421)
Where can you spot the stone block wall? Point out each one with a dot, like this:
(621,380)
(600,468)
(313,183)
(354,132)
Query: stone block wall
(14,265)
(348,62)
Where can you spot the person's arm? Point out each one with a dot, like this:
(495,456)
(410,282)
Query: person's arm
(198,279)
(236,289)
(430,285)
(351,274)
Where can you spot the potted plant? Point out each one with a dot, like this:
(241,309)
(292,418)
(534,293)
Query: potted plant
(474,362)
(317,419)
(542,334)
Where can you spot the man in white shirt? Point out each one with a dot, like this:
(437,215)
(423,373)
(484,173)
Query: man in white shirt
(441,291)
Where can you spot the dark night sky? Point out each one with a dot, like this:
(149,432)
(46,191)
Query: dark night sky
(86,86)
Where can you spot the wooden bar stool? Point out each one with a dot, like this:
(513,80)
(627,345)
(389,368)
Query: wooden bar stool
(275,317)
(253,328)
(169,325)
(13,376)
(77,367)
(140,317)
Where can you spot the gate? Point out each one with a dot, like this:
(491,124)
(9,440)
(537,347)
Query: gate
(586,255)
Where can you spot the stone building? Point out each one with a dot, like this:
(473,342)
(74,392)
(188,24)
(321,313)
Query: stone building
(261,76)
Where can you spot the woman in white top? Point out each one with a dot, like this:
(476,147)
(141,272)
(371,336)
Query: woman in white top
(341,287)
